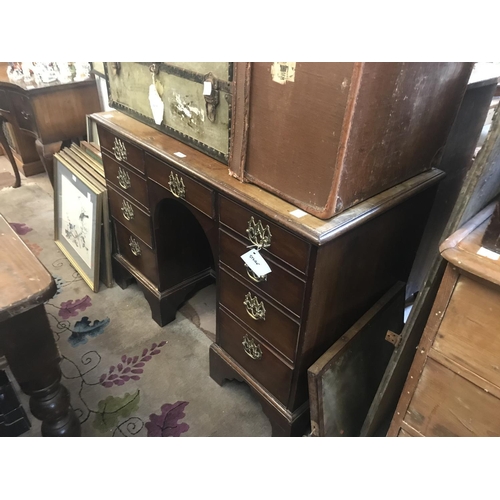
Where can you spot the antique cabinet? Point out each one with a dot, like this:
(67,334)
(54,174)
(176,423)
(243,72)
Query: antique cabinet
(453,387)
(50,113)
(181,222)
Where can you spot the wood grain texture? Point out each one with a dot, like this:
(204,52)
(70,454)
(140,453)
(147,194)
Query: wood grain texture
(135,156)
(286,288)
(279,330)
(447,405)
(418,356)
(137,190)
(270,371)
(196,194)
(214,174)
(24,281)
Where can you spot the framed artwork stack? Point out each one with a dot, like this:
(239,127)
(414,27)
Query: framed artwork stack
(82,227)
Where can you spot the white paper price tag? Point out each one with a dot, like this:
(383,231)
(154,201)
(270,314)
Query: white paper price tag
(254,260)
(207,88)
(180,155)
(157,106)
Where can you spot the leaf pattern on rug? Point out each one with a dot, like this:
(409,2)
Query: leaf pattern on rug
(130,368)
(36,249)
(112,409)
(166,424)
(84,329)
(71,308)
(20,228)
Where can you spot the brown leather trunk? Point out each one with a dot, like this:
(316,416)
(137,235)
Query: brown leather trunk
(326,136)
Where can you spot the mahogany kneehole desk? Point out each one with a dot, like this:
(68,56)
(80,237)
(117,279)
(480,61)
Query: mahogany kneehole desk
(182,222)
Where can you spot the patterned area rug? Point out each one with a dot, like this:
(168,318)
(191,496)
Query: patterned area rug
(126,375)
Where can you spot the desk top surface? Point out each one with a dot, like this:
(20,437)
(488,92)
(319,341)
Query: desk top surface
(216,175)
(24,281)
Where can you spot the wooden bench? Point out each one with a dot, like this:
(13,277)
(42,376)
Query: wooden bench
(26,339)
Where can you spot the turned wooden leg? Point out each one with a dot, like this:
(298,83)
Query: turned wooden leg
(31,352)
(46,153)
(8,152)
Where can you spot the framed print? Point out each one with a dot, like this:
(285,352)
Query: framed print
(90,161)
(98,69)
(92,133)
(82,163)
(78,219)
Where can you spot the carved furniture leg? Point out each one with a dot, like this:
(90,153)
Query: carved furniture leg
(46,153)
(31,352)
(8,152)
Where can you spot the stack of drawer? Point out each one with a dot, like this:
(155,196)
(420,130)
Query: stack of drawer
(125,170)
(259,318)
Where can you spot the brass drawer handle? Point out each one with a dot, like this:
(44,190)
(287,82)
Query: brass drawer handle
(123,178)
(25,115)
(259,235)
(176,185)
(119,150)
(127,210)
(255,309)
(134,246)
(252,348)
(254,276)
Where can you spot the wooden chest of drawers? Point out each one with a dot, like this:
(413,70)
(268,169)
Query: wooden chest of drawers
(453,387)
(191,224)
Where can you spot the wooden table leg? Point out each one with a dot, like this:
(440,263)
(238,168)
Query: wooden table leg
(46,153)
(8,152)
(28,344)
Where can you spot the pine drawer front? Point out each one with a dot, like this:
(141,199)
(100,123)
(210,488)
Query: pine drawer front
(259,315)
(126,180)
(259,230)
(121,150)
(130,215)
(181,186)
(279,284)
(137,253)
(253,356)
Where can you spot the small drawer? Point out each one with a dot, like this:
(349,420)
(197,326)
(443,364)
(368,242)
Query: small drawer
(137,253)
(258,314)
(254,357)
(23,112)
(128,181)
(121,150)
(181,186)
(279,284)
(130,215)
(257,229)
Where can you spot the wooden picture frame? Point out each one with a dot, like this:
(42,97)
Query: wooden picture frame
(78,206)
(92,133)
(84,165)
